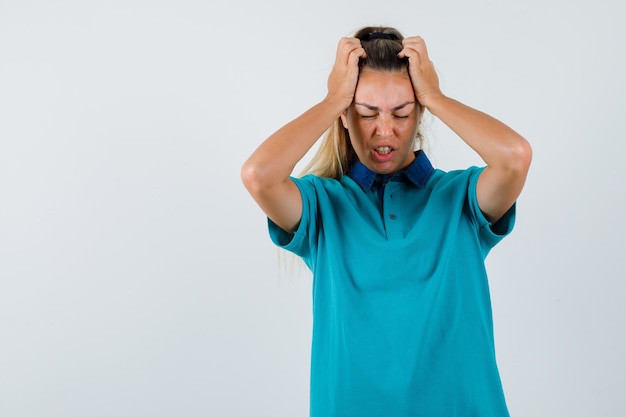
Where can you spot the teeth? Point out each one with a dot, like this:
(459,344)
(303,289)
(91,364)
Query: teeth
(383,150)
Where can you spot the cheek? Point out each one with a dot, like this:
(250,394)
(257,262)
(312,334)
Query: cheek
(362,128)
(357,139)
(409,128)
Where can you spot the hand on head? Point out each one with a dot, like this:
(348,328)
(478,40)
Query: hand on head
(345,73)
(421,69)
(344,76)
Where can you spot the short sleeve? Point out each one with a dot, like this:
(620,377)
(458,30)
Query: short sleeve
(300,241)
(489,233)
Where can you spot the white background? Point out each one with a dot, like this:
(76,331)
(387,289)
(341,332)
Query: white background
(136,274)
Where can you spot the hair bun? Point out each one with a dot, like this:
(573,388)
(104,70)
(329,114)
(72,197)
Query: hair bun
(380,35)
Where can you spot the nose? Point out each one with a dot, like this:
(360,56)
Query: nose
(384,126)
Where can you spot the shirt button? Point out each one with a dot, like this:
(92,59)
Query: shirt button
(392,216)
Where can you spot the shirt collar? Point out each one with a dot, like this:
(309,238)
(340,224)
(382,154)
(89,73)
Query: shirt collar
(416,173)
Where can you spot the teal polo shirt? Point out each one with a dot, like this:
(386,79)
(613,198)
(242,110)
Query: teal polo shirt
(402,322)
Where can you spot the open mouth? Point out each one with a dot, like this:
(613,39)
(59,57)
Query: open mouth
(383,150)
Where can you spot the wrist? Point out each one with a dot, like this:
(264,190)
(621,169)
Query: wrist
(433,102)
(336,104)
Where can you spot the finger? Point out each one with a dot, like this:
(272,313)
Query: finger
(412,55)
(342,49)
(418,44)
(356,54)
(346,48)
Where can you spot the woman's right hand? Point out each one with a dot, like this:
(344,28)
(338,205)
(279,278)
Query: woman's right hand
(345,72)
(266,173)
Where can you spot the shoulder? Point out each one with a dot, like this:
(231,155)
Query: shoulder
(323,185)
(461,186)
(456,179)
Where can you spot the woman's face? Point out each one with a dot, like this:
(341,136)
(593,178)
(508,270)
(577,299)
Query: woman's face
(383,120)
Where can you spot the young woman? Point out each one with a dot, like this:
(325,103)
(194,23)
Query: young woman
(402,320)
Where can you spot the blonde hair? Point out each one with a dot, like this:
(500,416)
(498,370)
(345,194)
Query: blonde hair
(335,155)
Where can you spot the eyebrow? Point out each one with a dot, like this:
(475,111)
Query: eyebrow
(375,108)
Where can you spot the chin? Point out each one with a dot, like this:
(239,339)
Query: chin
(386,170)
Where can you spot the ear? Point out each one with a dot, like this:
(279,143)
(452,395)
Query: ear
(344,119)
(422,108)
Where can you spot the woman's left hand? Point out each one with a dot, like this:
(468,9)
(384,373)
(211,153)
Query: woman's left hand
(506,153)
(421,70)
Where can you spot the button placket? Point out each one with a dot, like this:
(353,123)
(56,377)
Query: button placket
(393,223)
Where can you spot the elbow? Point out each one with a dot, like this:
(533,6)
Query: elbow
(519,156)
(257,177)
(251,177)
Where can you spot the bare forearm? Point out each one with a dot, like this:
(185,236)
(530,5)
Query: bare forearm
(496,143)
(493,140)
(506,153)
(275,159)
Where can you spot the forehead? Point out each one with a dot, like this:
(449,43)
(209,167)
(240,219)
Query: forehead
(384,89)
